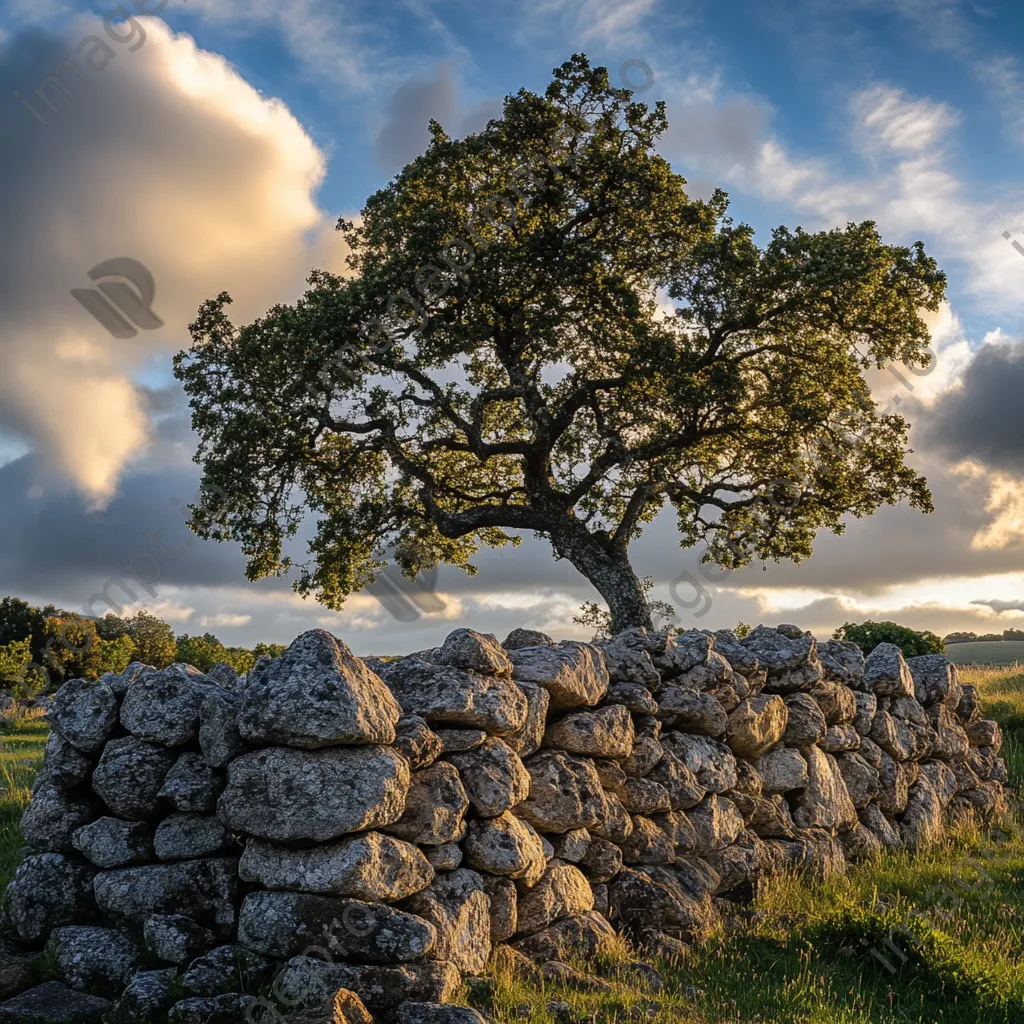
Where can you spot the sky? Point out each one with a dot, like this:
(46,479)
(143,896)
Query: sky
(217,142)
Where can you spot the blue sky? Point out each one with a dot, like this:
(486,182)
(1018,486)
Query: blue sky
(221,151)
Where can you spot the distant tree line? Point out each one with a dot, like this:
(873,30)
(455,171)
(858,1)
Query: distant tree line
(868,635)
(46,646)
(967,638)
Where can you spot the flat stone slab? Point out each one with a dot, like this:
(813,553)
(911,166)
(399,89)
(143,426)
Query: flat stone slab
(53,1003)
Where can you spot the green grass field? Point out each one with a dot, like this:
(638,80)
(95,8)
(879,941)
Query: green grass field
(804,956)
(987,652)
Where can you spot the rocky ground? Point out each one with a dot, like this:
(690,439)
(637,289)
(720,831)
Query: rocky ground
(329,839)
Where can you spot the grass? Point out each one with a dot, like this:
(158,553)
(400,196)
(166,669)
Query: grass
(936,937)
(987,652)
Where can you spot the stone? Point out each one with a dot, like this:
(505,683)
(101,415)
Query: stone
(616,825)
(446,857)
(942,780)
(474,652)
(805,723)
(313,982)
(861,780)
(794,680)
(368,866)
(692,711)
(984,734)
(716,821)
(969,708)
(895,780)
(435,807)
(163,707)
(634,697)
(682,652)
(843,662)
(130,775)
(740,658)
(880,826)
(713,763)
(64,766)
(96,960)
(575,675)
(770,818)
(176,939)
(53,1003)
(227,1008)
(679,830)
(201,889)
(85,714)
(443,695)
(886,673)
(283,924)
(507,846)
(526,638)
(864,715)
(493,776)
(572,846)
(839,738)
(317,694)
(603,860)
(777,652)
(456,741)
(565,793)
(936,680)
(837,702)
(148,997)
(504,907)
(859,844)
(782,769)
(627,666)
(219,738)
(459,910)
(436,1013)
(646,754)
(951,741)
(922,822)
(562,892)
(684,789)
(605,732)
(646,843)
(49,891)
(225,969)
(583,936)
(190,836)
(662,899)
(52,818)
(643,796)
(739,864)
(756,725)
(112,843)
(527,739)
(824,801)
(192,785)
(417,742)
(286,795)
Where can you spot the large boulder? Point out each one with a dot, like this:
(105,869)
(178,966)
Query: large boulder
(163,707)
(130,775)
(435,807)
(562,892)
(457,906)
(574,674)
(507,846)
(368,866)
(824,801)
(606,732)
(85,714)
(317,694)
(285,795)
(473,652)
(493,776)
(886,673)
(97,960)
(565,793)
(49,890)
(756,725)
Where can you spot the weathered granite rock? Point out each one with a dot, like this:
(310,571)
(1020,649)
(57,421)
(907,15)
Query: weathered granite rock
(742,659)
(985,734)
(713,763)
(636,698)
(285,795)
(605,732)
(505,845)
(226,969)
(457,741)
(189,836)
(562,891)
(434,809)
(309,981)
(64,766)
(457,906)
(603,861)
(526,638)
(282,924)
(895,781)
(665,898)
(862,781)
(565,793)
(130,775)
(922,821)
(616,825)
(446,857)
(951,741)
(643,796)
(503,907)
(192,784)
(782,769)
(436,1013)
(647,843)
(684,789)
(777,652)
(843,662)
(646,754)
(163,707)
(227,1008)
(176,939)
(527,739)
(367,866)
(97,960)
(627,665)
(219,738)
(53,1003)
(317,694)
(112,843)
(575,675)
(936,680)
(880,826)
(201,889)
(85,714)
(148,997)
(824,801)
(493,776)
(417,742)
(866,709)
(474,652)
(52,818)
(717,822)
(942,780)
(886,673)
(839,738)
(756,724)
(692,711)
(49,891)
(805,723)
(584,936)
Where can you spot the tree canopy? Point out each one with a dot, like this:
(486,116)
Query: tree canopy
(912,642)
(542,332)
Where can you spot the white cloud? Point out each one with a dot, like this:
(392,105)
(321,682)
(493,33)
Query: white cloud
(225,619)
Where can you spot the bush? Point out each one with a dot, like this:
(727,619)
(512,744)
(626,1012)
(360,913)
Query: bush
(868,635)
(959,638)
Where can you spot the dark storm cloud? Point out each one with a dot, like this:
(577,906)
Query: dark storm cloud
(984,418)
(404,134)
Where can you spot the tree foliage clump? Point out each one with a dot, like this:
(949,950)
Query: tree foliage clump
(499,361)
(912,642)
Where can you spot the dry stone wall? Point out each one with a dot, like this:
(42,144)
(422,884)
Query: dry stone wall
(336,839)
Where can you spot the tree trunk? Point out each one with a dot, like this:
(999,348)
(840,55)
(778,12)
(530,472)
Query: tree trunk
(610,573)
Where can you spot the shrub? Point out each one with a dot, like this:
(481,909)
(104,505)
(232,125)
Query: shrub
(868,635)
